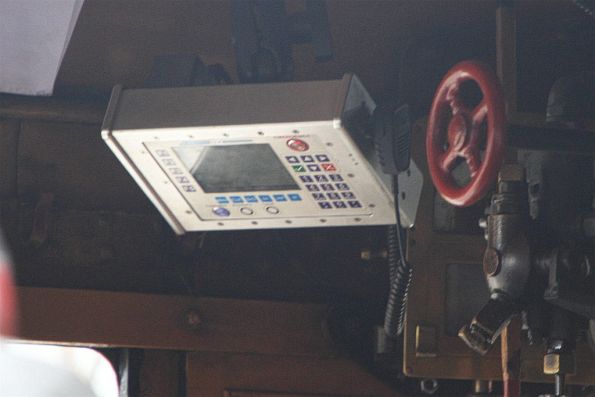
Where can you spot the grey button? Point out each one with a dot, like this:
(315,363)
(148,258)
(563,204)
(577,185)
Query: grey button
(272,210)
(246,211)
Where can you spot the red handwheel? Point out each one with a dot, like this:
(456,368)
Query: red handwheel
(454,129)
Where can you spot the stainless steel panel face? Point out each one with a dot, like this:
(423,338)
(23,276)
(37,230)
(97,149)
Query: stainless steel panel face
(303,173)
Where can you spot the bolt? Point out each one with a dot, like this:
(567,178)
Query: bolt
(368,254)
(192,319)
(428,386)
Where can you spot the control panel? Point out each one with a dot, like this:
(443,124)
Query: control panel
(219,173)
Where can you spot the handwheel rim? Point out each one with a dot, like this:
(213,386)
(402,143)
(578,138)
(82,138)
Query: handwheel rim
(467,146)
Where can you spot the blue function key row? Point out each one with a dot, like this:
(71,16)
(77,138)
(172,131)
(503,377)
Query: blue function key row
(263,198)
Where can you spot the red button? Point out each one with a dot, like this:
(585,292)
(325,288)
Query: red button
(328,167)
(297,145)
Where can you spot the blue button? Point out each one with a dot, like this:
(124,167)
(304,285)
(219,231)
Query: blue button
(222,200)
(312,188)
(336,178)
(279,197)
(322,158)
(292,159)
(318,196)
(327,187)
(265,198)
(306,178)
(236,199)
(342,186)
(325,205)
(294,197)
(354,204)
(251,199)
(339,204)
(348,195)
(307,159)
(321,178)
(313,167)
(220,211)
(333,196)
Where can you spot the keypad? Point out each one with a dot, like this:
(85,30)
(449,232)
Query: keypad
(320,177)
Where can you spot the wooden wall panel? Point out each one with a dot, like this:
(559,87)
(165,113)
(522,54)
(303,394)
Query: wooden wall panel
(111,319)
(213,374)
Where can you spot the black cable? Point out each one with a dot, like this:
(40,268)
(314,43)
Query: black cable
(400,275)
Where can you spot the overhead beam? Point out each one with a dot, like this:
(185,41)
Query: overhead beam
(115,319)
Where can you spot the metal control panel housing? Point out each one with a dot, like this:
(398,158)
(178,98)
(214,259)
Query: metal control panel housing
(256,156)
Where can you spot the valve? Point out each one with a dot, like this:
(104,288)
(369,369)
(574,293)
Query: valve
(454,130)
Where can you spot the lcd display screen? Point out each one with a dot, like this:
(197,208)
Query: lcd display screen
(235,168)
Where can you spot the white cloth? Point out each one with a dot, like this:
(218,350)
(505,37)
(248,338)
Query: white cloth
(25,377)
(34,35)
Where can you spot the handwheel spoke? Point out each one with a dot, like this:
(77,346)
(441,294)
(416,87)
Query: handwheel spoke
(477,115)
(453,98)
(472,158)
(447,160)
